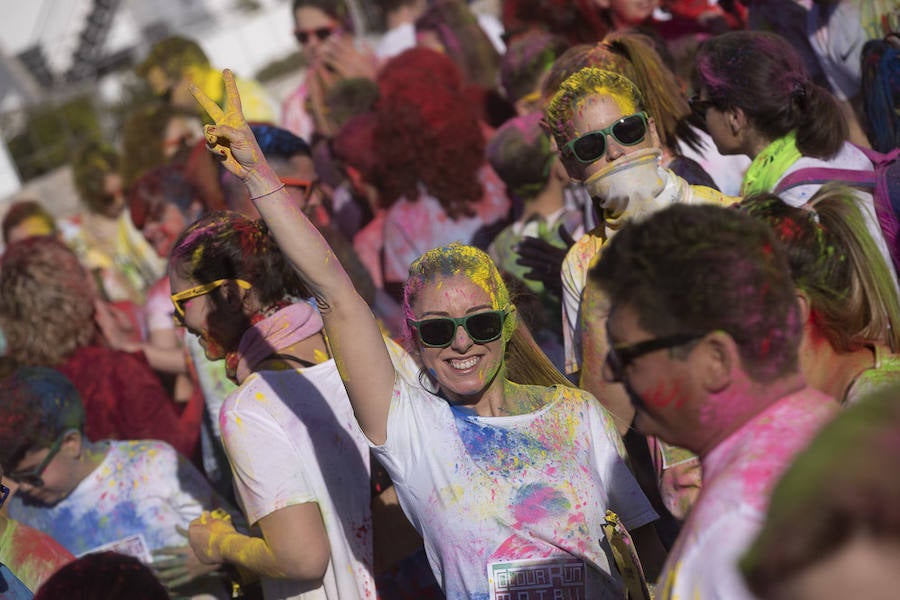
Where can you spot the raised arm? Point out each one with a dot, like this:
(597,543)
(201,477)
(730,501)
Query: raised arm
(353,333)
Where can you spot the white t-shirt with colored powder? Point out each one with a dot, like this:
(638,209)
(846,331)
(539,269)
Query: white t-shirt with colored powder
(135,497)
(291,438)
(512,504)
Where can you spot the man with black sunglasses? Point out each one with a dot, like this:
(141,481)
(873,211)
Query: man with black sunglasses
(704,331)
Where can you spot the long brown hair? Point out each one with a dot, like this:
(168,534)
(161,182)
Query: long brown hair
(835,261)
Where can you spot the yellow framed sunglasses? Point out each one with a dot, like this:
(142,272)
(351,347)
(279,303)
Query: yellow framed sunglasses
(183,296)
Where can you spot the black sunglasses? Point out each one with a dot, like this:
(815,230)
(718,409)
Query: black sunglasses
(32,477)
(322,33)
(619,357)
(627,131)
(438,332)
(700,107)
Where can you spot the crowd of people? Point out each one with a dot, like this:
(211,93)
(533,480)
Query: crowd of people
(573,299)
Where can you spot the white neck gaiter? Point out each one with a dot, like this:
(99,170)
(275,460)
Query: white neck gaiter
(632,187)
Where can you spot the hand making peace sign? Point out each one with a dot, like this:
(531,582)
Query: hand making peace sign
(230,138)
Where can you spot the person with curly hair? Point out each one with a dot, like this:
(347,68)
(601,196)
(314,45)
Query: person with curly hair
(300,465)
(431,157)
(47,312)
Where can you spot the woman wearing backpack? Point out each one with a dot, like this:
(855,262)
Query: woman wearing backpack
(756,98)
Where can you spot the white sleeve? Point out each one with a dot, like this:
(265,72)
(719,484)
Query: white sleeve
(574,275)
(268,471)
(399,251)
(626,498)
(194,493)
(571,305)
(410,419)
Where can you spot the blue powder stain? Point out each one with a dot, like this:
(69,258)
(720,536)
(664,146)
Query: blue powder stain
(92,529)
(495,448)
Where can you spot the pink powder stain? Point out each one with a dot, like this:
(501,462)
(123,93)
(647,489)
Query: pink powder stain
(539,503)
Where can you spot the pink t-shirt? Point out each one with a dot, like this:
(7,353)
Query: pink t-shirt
(413,228)
(738,477)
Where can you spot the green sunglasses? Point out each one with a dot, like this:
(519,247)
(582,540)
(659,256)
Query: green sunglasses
(482,327)
(589,147)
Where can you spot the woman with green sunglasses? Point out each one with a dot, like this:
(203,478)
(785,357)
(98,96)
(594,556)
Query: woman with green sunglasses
(504,481)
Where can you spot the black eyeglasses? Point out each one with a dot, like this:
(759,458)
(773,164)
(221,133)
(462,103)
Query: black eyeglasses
(32,477)
(700,107)
(619,357)
(438,332)
(627,131)
(322,33)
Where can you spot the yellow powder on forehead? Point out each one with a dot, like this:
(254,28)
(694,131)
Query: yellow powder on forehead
(598,95)
(458,260)
(587,82)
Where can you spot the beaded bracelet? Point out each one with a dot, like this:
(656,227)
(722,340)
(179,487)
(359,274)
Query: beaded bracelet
(278,189)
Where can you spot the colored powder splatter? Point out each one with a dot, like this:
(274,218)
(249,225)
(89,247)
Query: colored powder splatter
(499,451)
(536,501)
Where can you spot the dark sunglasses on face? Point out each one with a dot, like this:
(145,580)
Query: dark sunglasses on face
(700,107)
(304,35)
(32,477)
(627,131)
(619,357)
(438,332)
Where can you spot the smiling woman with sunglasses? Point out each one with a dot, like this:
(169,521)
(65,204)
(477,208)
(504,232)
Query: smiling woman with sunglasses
(495,475)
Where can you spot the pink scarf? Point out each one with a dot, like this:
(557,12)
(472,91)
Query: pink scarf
(290,325)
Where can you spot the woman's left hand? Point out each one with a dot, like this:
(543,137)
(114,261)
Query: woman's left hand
(206,534)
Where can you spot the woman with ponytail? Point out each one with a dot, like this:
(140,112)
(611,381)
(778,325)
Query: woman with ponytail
(851,335)
(687,150)
(757,99)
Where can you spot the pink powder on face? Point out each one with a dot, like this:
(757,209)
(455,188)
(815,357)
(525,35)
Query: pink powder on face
(664,394)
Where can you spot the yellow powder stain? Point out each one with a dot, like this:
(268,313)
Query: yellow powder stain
(319,356)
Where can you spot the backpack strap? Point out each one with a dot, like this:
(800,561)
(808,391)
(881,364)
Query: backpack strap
(822,175)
